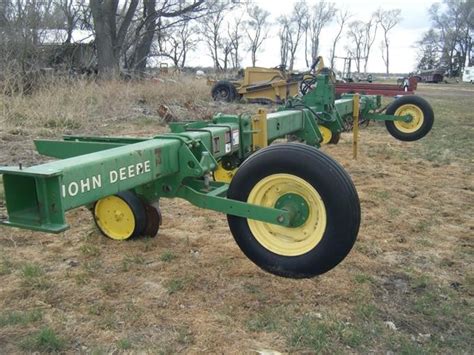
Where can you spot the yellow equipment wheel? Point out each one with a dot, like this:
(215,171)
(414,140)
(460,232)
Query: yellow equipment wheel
(120,216)
(421,118)
(223,175)
(417,118)
(321,199)
(283,240)
(327,134)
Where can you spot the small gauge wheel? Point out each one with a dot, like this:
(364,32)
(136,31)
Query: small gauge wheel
(121,216)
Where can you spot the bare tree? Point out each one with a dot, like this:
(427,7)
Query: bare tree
(227,48)
(387,19)
(235,31)
(114,20)
(342,18)
(291,31)
(454,29)
(25,25)
(109,39)
(361,38)
(356,34)
(283,35)
(429,50)
(321,14)
(214,36)
(256,29)
(178,42)
(369,38)
(72,11)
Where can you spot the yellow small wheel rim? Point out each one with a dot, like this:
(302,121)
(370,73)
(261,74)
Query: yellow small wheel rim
(114,217)
(288,241)
(223,175)
(327,134)
(417,118)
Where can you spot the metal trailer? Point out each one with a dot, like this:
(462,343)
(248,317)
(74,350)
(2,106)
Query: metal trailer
(261,85)
(292,209)
(275,85)
(406,87)
(430,75)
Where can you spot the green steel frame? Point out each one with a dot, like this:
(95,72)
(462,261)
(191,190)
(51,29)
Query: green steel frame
(176,164)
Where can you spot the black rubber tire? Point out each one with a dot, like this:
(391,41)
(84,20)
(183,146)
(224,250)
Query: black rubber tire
(153,220)
(223,91)
(337,193)
(335,138)
(428,118)
(139,213)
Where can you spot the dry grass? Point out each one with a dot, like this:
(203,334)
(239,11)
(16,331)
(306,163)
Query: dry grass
(99,108)
(191,290)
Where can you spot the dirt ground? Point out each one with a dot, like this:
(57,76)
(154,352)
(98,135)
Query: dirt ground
(407,286)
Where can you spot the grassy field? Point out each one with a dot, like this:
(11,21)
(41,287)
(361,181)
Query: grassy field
(407,286)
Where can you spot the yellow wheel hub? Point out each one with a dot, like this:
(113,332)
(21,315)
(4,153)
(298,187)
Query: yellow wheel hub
(288,241)
(114,217)
(417,118)
(327,134)
(223,175)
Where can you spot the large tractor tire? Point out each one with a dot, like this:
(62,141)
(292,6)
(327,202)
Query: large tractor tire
(224,91)
(422,118)
(320,194)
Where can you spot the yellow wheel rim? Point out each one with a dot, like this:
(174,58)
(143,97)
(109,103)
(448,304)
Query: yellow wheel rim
(288,241)
(327,134)
(114,217)
(417,118)
(223,175)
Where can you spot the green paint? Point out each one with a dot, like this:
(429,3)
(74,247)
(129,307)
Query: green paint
(199,195)
(296,205)
(382,117)
(176,164)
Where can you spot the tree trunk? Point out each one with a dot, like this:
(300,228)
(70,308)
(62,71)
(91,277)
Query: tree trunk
(144,46)
(103,14)
(183,59)
(334,44)
(69,28)
(387,59)
(470,58)
(314,49)
(226,59)
(306,48)
(236,56)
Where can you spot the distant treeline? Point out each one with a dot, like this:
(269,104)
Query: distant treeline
(448,44)
(126,36)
